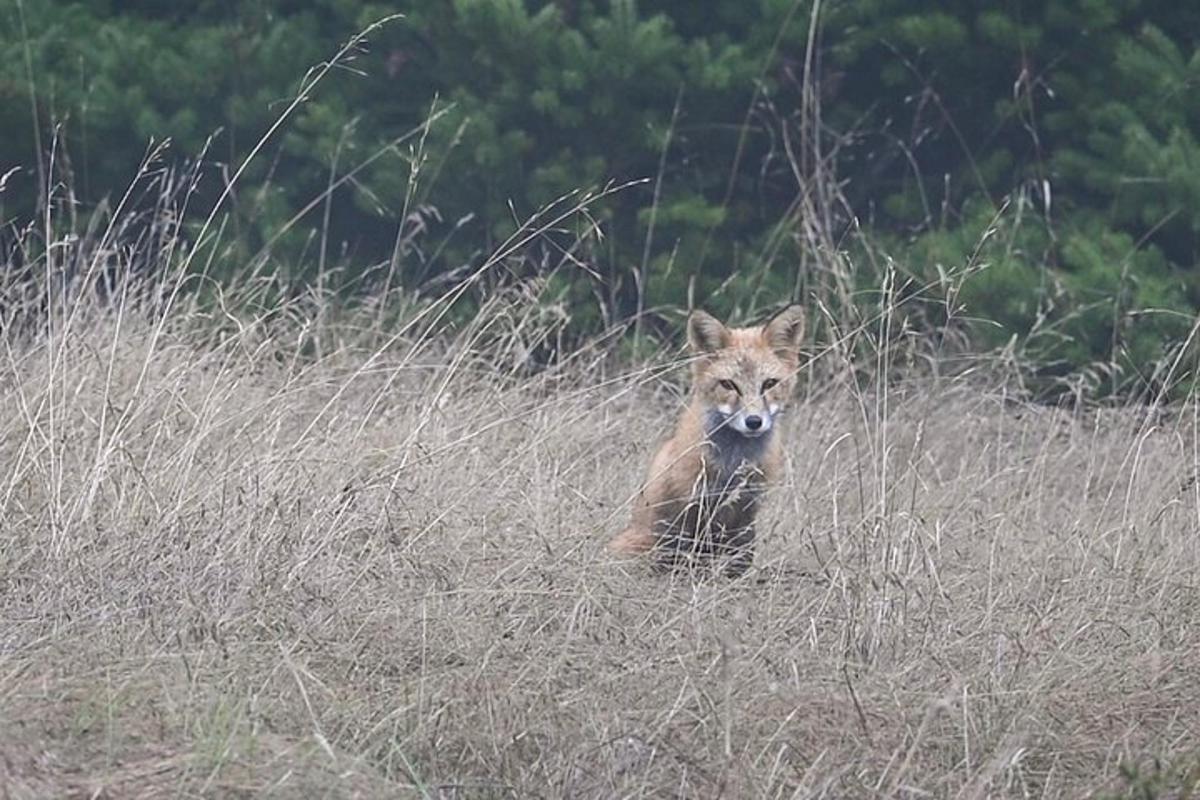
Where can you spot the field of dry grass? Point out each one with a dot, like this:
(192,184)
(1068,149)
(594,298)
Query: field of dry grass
(292,557)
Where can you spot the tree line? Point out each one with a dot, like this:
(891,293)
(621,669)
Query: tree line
(1030,167)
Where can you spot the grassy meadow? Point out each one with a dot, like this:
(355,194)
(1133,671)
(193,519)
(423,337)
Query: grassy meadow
(271,535)
(311,552)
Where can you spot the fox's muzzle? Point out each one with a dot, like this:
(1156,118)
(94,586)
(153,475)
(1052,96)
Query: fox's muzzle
(750,422)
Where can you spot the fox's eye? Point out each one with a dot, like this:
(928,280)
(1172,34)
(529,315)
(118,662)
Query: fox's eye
(730,386)
(770,383)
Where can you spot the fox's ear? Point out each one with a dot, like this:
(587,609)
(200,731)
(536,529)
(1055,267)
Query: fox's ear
(706,334)
(784,331)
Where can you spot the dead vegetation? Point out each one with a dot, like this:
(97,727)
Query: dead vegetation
(285,559)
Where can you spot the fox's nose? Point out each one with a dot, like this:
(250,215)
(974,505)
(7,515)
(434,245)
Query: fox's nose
(753,422)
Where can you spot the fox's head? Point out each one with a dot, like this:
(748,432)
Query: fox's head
(743,377)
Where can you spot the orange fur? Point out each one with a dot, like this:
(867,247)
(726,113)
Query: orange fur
(701,496)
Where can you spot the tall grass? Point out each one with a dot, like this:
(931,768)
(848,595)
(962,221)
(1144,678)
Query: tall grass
(287,552)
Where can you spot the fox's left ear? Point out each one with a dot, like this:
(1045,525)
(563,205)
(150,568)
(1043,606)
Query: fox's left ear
(784,332)
(706,334)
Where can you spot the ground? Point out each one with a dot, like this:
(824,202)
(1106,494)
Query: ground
(248,563)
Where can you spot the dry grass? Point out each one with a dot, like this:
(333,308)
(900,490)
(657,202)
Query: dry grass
(317,554)
(245,562)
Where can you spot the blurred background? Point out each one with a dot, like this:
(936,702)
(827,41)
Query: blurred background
(1018,177)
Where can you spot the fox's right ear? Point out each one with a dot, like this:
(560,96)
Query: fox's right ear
(706,334)
(785,330)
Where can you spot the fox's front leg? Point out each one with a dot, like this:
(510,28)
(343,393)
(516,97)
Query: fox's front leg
(738,550)
(632,541)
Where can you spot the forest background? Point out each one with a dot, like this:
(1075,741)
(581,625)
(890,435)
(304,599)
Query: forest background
(1026,173)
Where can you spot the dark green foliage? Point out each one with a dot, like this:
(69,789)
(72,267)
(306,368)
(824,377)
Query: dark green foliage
(1047,152)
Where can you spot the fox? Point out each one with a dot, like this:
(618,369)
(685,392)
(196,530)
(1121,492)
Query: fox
(705,484)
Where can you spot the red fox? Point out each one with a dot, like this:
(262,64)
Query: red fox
(706,481)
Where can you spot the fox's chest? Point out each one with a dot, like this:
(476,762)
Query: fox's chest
(729,489)
(721,498)
(716,517)
(712,512)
